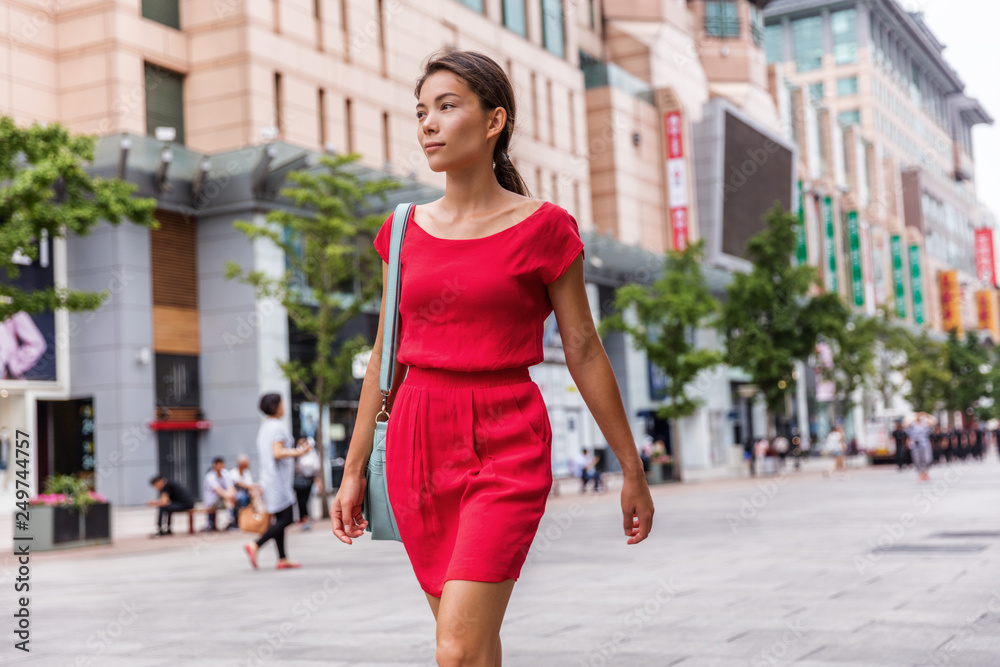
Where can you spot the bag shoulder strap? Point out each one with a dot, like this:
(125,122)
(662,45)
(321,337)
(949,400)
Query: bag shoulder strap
(390,329)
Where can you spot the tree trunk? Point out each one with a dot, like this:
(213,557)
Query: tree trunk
(321,477)
(676,450)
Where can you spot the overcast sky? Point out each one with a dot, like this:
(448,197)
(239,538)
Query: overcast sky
(968,29)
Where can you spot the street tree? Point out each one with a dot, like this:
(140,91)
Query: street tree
(45,191)
(894,344)
(966,361)
(332,273)
(854,356)
(774,315)
(667,313)
(927,374)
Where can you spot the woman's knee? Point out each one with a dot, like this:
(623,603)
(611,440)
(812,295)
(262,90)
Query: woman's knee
(458,651)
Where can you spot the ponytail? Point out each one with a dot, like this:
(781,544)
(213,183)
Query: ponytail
(507,175)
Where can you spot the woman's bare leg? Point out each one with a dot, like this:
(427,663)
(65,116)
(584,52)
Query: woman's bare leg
(469,615)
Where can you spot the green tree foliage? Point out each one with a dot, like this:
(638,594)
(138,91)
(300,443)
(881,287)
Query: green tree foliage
(965,362)
(667,313)
(770,319)
(928,375)
(332,276)
(45,188)
(855,348)
(894,345)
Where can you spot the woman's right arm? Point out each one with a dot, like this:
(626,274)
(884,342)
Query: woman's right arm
(347,505)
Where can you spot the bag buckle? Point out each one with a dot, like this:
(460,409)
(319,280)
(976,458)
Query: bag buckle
(385,406)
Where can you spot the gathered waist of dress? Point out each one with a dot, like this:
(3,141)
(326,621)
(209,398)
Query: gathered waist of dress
(440,377)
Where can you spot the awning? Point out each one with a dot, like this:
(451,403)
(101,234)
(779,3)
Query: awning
(199,425)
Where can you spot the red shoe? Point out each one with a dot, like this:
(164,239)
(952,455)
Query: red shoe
(287,565)
(251,553)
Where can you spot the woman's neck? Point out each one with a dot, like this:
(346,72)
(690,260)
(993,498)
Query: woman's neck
(471,190)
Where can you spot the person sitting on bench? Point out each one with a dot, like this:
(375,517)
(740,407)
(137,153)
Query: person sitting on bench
(217,491)
(173,498)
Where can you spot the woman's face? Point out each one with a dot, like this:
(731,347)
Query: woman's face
(279,412)
(452,127)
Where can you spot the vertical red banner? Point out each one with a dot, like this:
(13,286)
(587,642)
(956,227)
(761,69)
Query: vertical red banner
(985,265)
(677,181)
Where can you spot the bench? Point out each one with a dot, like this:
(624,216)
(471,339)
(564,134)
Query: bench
(201,509)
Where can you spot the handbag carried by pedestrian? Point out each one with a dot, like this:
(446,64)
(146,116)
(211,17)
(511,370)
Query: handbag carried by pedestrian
(254,518)
(376,507)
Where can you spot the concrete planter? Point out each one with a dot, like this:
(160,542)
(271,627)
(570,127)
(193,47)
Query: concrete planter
(63,527)
(660,473)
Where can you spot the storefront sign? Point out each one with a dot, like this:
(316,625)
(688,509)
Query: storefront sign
(857,273)
(986,315)
(831,246)
(801,250)
(896,246)
(985,266)
(677,179)
(916,287)
(951,301)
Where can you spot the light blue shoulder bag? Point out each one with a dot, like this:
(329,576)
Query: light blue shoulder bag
(376,508)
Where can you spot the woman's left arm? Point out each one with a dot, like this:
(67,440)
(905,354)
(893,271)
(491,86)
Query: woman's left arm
(590,368)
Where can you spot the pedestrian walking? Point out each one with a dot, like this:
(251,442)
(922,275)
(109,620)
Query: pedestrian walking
(901,440)
(306,469)
(468,456)
(275,451)
(836,446)
(920,445)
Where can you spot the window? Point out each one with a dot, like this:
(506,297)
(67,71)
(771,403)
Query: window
(473,4)
(166,12)
(852,117)
(349,124)
(722,18)
(279,105)
(807,39)
(815,92)
(774,43)
(757,25)
(847,86)
(845,36)
(321,112)
(915,85)
(552,27)
(164,100)
(514,18)
(318,18)
(386,140)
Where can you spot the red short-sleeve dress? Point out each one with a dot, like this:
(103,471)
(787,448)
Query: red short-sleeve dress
(468,448)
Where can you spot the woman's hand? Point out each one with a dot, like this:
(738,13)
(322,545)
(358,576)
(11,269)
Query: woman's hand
(637,507)
(345,513)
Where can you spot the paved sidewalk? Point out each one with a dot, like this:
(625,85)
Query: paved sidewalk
(864,568)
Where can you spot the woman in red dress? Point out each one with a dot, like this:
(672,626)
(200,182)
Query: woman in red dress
(468,453)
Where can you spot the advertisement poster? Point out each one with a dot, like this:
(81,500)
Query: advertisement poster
(27,342)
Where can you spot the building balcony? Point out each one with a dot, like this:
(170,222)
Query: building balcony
(599,75)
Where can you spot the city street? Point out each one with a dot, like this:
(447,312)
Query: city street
(864,568)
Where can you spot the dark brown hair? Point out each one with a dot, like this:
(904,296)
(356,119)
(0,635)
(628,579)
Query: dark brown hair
(489,82)
(269,404)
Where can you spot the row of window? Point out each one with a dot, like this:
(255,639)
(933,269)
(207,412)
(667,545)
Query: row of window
(846,86)
(954,234)
(807,40)
(167,12)
(722,19)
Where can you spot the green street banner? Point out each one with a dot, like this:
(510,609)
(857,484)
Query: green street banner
(802,251)
(831,246)
(897,275)
(915,285)
(857,276)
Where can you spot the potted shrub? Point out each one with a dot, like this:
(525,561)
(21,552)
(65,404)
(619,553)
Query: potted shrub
(661,466)
(67,515)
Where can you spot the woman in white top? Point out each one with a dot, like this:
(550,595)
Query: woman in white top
(275,451)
